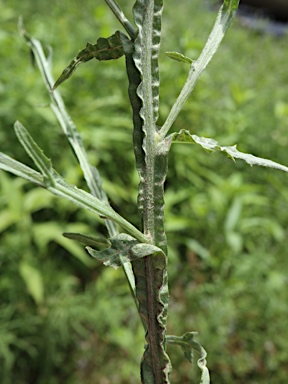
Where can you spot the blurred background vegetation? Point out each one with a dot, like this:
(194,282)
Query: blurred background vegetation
(65,318)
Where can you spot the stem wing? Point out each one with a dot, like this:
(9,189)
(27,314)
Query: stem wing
(147,14)
(189,346)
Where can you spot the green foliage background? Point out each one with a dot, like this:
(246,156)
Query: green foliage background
(65,318)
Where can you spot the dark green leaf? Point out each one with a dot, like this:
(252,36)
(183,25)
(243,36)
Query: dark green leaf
(105,49)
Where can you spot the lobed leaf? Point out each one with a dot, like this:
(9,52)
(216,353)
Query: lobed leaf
(212,145)
(59,187)
(37,155)
(105,49)
(124,249)
(13,166)
(118,254)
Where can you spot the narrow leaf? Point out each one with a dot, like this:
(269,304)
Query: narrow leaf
(105,49)
(92,241)
(251,159)
(13,166)
(61,188)
(33,280)
(188,346)
(37,155)
(212,145)
(224,19)
(179,57)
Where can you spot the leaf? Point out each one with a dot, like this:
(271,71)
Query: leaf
(212,145)
(188,346)
(251,159)
(13,166)
(37,155)
(87,240)
(119,253)
(179,57)
(105,49)
(59,187)
(91,173)
(224,19)
(33,280)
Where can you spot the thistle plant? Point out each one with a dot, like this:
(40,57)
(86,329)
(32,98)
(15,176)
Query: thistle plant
(141,252)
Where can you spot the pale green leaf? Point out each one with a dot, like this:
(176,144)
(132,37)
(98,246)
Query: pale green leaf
(179,57)
(33,280)
(224,19)
(13,166)
(8,218)
(37,155)
(212,145)
(63,189)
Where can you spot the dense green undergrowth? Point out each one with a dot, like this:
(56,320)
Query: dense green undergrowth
(226,223)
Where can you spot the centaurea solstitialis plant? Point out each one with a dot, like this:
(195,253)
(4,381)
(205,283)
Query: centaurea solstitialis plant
(141,252)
